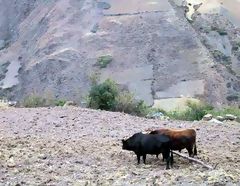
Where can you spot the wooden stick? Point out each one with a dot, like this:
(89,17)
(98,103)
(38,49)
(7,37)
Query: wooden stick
(194,160)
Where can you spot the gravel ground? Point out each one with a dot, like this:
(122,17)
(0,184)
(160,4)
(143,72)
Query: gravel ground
(75,146)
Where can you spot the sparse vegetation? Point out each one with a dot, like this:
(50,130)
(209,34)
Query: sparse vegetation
(236,46)
(4,70)
(233,97)
(227,110)
(103,61)
(60,102)
(220,57)
(94,78)
(33,101)
(128,104)
(221,31)
(195,111)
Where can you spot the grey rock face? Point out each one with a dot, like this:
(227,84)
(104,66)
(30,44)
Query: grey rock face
(154,49)
(2,44)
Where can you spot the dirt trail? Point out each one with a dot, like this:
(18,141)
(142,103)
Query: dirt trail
(74,146)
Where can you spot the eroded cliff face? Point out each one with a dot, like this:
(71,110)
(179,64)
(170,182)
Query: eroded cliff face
(218,26)
(156,53)
(12,12)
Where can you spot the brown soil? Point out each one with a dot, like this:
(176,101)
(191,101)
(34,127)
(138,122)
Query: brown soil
(74,146)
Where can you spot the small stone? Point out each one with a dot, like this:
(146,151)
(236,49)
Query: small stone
(207,117)
(12,103)
(63,116)
(69,103)
(57,125)
(42,156)
(79,162)
(80,183)
(11,163)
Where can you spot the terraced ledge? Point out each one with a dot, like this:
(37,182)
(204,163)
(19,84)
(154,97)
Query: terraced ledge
(136,13)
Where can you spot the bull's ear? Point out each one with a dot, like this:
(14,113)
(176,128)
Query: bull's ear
(123,140)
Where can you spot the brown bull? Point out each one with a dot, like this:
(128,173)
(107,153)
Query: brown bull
(180,139)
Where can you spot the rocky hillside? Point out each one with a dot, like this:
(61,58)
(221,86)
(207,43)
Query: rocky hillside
(51,49)
(74,146)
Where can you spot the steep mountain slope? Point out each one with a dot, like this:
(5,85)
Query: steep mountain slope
(156,52)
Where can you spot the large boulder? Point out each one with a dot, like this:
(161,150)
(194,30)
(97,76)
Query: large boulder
(213,120)
(69,103)
(207,117)
(220,118)
(230,117)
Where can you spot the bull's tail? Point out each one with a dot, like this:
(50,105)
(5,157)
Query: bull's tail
(195,149)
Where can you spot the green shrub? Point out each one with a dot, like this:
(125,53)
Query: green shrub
(59,103)
(195,111)
(219,56)
(33,101)
(107,96)
(103,96)
(103,61)
(125,102)
(141,109)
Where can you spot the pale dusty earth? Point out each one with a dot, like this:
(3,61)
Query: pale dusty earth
(76,146)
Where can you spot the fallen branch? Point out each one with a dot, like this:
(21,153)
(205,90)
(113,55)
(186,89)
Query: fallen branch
(194,160)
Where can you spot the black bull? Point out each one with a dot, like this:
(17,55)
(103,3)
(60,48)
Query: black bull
(143,144)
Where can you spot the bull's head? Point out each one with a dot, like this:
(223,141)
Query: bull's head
(124,144)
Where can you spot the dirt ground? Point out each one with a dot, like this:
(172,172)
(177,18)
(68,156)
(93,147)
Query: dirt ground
(75,146)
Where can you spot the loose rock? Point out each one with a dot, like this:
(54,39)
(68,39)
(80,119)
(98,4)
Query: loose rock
(207,117)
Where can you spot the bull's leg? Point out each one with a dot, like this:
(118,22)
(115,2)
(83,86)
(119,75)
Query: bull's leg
(144,158)
(157,155)
(138,158)
(163,157)
(190,151)
(171,158)
(166,155)
(195,149)
(168,160)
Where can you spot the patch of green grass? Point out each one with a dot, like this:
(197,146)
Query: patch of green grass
(60,102)
(103,61)
(227,110)
(195,111)
(34,101)
(107,96)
